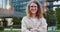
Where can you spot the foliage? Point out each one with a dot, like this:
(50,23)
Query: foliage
(58,18)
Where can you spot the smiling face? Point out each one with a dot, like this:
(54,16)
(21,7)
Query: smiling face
(33,8)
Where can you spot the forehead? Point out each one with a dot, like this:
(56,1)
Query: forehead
(33,4)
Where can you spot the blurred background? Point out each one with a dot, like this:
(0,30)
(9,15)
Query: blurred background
(12,12)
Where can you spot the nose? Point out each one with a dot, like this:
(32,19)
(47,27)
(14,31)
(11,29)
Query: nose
(33,8)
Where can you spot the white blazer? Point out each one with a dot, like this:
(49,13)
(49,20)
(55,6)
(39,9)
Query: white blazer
(34,25)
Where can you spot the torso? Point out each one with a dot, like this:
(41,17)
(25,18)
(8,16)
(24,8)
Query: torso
(33,22)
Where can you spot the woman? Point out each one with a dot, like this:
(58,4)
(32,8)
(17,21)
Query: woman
(34,21)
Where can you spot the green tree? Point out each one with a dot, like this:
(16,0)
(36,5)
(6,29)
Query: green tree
(17,22)
(57,18)
(50,18)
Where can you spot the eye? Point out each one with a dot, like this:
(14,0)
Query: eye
(31,6)
(35,6)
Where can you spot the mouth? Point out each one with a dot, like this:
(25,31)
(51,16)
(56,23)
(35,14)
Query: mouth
(33,9)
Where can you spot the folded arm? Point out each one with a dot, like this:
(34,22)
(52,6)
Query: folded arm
(24,27)
(42,27)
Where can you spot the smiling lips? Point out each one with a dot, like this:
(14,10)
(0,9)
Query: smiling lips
(33,9)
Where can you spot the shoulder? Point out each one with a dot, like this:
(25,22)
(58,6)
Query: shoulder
(24,18)
(42,18)
(43,21)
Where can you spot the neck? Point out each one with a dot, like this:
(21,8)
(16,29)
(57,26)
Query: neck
(33,15)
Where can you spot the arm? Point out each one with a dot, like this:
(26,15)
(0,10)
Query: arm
(24,27)
(42,27)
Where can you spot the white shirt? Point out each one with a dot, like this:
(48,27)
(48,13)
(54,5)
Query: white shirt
(35,25)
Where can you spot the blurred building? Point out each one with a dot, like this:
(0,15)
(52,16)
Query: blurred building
(15,7)
(19,6)
(6,12)
(50,4)
(6,9)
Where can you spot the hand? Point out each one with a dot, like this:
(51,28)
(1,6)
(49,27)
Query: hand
(29,28)
(34,30)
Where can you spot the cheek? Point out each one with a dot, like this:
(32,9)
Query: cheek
(30,9)
(36,8)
